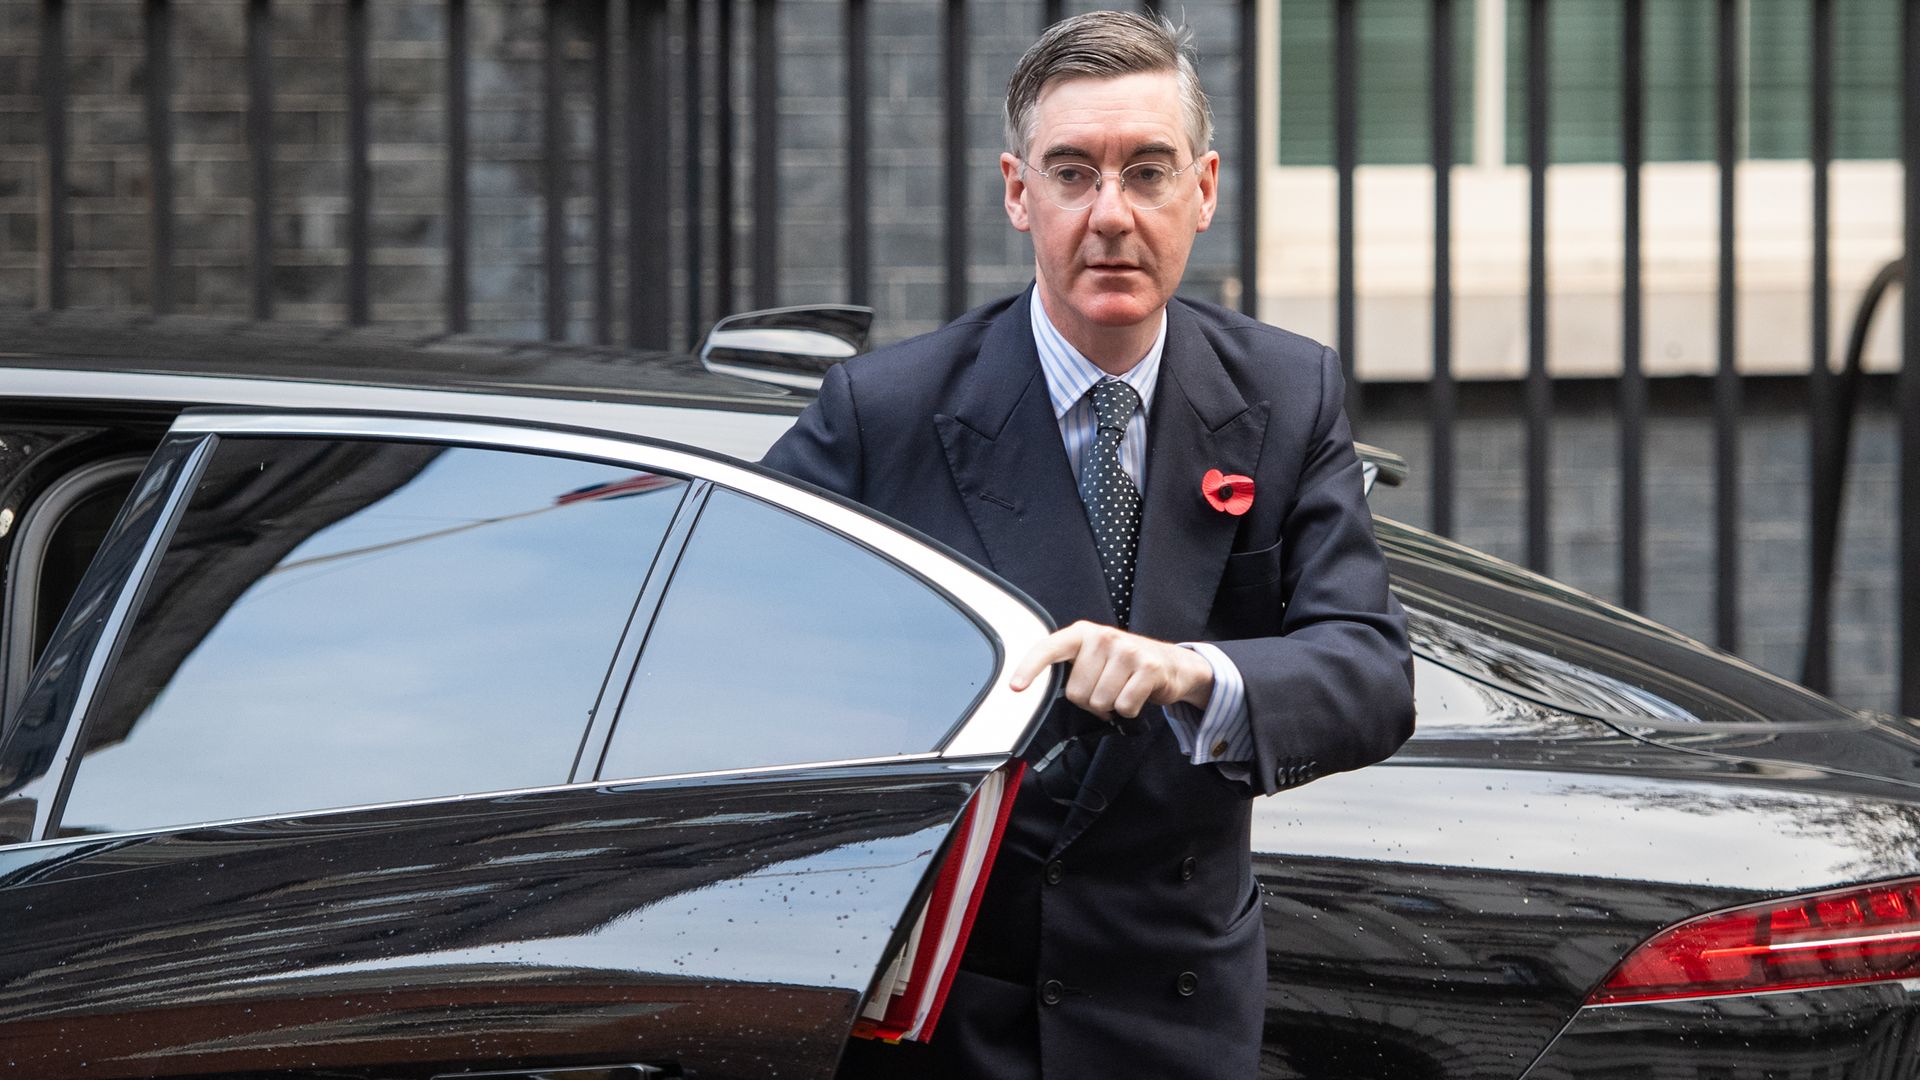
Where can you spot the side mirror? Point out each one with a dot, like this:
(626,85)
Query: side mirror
(1379,466)
(790,346)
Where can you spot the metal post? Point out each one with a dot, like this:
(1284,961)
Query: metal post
(1823,490)
(648,177)
(956,157)
(58,250)
(859,244)
(692,146)
(1251,167)
(359,171)
(554,150)
(260,150)
(159,101)
(1726,382)
(1442,395)
(457,155)
(1346,152)
(1633,379)
(596,17)
(766,155)
(1908,642)
(1539,393)
(723,273)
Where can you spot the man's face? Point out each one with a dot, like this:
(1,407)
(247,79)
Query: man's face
(1110,265)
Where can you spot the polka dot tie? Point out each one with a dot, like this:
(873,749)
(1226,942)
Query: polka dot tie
(1113,503)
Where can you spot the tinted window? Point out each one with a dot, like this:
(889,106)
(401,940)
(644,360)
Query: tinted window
(337,623)
(779,641)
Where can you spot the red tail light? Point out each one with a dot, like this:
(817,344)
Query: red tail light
(1854,935)
(907,1001)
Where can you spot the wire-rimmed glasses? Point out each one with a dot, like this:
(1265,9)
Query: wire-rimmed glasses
(1074,185)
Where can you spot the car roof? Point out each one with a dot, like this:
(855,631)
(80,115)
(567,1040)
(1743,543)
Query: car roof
(285,351)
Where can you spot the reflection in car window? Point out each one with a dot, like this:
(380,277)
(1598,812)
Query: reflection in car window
(338,623)
(779,642)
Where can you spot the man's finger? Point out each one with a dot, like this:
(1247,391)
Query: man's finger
(1105,686)
(1050,650)
(1134,695)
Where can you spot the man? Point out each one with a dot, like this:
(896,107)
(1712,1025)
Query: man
(1176,485)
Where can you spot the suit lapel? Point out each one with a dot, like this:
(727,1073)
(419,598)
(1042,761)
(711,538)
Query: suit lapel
(1004,449)
(1198,421)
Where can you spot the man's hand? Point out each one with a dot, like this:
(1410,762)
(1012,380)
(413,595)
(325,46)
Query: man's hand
(1116,674)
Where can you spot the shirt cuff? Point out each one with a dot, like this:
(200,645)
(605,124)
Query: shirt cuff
(1220,732)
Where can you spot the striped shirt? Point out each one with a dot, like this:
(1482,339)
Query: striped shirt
(1219,733)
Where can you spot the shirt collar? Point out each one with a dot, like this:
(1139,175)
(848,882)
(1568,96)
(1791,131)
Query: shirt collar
(1070,374)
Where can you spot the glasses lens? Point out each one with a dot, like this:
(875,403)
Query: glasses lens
(1149,184)
(1072,186)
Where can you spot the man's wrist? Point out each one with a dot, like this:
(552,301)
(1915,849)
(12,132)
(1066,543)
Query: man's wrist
(1198,677)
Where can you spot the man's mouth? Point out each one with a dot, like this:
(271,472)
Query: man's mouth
(1111,266)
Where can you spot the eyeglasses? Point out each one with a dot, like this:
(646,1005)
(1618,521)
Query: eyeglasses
(1074,185)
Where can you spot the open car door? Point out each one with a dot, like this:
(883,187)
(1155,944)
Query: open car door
(387,746)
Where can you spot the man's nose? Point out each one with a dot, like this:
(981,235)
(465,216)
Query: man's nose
(1111,212)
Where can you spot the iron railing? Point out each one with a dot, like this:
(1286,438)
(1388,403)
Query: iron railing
(699,115)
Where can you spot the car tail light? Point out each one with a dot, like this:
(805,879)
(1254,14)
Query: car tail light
(1853,935)
(906,1002)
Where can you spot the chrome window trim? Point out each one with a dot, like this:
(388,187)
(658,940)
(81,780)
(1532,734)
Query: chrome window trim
(978,764)
(702,423)
(48,810)
(996,725)
(27,560)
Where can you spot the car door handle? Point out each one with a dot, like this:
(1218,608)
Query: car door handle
(569,1073)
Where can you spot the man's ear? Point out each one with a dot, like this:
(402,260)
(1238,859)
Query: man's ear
(1209,169)
(1016,202)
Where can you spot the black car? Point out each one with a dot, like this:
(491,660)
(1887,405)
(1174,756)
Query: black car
(438,707)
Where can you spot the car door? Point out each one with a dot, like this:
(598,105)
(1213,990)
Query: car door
(381,746)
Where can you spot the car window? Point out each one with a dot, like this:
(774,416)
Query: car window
(779,641)
(344,622)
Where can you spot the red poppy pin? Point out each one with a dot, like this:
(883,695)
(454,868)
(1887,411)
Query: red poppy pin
(1232,493)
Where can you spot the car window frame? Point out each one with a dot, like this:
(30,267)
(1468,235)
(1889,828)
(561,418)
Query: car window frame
(26,561)
(998,725)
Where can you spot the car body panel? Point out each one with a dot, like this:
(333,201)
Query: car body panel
(1445,913)
(576,925)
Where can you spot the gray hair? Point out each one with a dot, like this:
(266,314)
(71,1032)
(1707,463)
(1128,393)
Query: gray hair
(1106,45)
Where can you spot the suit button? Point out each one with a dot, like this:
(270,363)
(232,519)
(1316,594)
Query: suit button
(1050,992)
(1187,983)
(1187,866)
(1055,871)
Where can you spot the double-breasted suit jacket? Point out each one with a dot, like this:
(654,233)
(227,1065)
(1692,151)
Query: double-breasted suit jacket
(1121,933)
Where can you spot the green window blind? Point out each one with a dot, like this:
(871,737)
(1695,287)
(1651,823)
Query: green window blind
(1394,77)
(1681,43)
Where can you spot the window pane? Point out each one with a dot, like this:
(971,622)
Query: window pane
(1583,106)
(1393,49)
(779,641)
(338,623)
(1866,87)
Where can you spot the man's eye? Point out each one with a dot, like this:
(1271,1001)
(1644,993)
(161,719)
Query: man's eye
(1073,175)
(1149,174)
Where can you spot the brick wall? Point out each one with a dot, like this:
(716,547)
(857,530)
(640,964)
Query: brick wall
(109,171)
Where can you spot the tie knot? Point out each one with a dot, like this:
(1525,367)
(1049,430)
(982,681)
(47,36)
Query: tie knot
(1114,403)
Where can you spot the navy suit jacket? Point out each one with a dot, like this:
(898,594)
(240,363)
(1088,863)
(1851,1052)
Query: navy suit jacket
(1121,934)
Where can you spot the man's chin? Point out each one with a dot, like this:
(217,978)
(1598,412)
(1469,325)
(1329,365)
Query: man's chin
(1114,308)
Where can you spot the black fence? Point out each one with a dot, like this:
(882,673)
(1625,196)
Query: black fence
(698,114)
